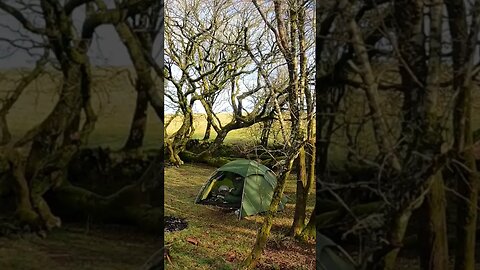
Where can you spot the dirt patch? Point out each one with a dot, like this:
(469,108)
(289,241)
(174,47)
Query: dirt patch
(173,224)
(287,253)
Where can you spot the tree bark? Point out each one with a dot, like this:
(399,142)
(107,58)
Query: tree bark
(253,258)
(177,144)
(467,178)
(208,130)
(206,159)
(433,237)
(309,231)
(5,135)
(140,48)
(301,195)
(287,41)
(265,133)
(413,70)
(434,208)
(139,121)
(57,121)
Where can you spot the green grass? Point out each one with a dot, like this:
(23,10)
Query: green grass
(221,234)
(200,124)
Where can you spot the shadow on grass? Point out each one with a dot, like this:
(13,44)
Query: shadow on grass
(103,247)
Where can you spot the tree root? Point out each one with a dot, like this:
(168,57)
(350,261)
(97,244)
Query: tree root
(206,159)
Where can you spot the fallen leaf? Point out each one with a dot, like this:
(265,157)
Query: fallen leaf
(231,256)
(192,241)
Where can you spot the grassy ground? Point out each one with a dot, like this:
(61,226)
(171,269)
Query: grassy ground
(75,248)
(223,241)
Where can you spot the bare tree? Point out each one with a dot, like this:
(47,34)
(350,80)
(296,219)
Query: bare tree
(286,32)
(139,33)
(464,43)
(55,140)
(205,59)
(414,151)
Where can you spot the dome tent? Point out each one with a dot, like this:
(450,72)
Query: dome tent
(331,256)
(258,186)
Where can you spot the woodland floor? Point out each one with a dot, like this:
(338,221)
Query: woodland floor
(74,247)
(410,262)
(215,239)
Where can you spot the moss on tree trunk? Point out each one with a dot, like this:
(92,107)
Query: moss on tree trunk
(204,158)
(139,121)
(433,242)
(253,258)
(301,195)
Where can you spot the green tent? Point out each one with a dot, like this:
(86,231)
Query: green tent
(331,256)
(258,185)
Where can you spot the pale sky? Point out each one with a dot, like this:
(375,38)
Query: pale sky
(107,48)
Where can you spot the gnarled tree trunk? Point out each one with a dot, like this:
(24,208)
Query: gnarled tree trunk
(139,121)
(301,194)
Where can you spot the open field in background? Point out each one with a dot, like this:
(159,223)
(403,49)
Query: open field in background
(223,240)
(353,109)
(113,100)
(245,135)
(250,134)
